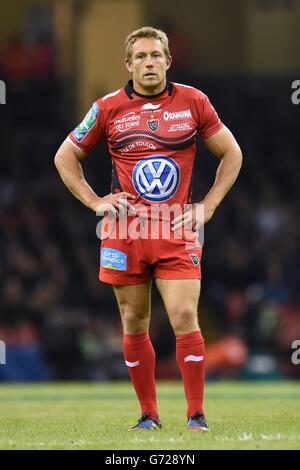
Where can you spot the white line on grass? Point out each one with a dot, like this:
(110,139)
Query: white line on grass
(161,440)
(264,437)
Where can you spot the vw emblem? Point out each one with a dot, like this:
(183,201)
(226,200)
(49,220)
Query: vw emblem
(156,178)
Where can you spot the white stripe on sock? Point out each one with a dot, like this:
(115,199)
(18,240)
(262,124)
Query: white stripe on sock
(193,358)
(132,364)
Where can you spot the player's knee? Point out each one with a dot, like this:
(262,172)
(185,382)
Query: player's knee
(184,319)
(131,315)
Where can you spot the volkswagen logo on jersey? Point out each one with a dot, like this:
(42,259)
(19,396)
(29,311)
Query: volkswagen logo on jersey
(156,178)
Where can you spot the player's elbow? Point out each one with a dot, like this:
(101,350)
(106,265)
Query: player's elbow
(62,160)
(233,160)
(237,155)
(57,159)
(234,154)
(62,155)
(239,158)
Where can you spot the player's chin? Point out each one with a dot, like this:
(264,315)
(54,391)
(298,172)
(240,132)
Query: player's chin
(151,81)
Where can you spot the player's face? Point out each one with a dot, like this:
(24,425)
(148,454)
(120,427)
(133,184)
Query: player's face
(148,66)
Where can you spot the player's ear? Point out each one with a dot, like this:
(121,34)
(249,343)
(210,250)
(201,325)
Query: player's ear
(169,62)
(128,65)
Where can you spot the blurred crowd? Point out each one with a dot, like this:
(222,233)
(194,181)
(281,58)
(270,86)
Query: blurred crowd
(59,322)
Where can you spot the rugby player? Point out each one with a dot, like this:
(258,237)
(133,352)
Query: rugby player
(151,126)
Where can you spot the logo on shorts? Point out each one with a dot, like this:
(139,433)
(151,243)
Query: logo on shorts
(156,178)
(113,259)
(153,124)
(195,259)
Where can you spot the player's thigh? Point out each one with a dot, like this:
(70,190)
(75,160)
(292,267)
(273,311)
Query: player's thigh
(180,296)
(134,300)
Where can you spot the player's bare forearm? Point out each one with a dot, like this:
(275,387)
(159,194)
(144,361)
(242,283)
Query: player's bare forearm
(226,175)
(224,146)
(67,162)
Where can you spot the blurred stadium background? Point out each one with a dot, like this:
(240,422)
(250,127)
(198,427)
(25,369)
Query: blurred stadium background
(56,58)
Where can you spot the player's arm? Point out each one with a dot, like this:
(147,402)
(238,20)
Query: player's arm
(223,146)
(67,161)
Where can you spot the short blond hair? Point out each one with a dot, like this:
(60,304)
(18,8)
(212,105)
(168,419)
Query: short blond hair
(146,32)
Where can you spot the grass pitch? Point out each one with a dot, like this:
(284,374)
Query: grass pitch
(96,416)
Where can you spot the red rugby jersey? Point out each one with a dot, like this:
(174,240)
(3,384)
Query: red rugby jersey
(151,139)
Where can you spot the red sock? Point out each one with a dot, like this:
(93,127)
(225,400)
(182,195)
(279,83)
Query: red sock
(140,360)
(190,358)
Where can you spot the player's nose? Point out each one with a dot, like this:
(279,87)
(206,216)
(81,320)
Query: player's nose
(149,61)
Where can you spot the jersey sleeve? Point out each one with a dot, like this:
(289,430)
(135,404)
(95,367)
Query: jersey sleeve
(91,130)
(209,121)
